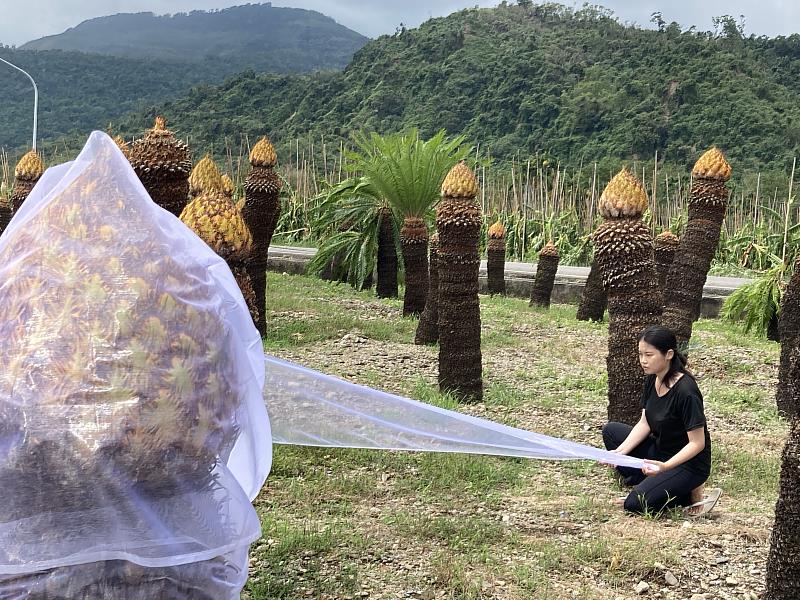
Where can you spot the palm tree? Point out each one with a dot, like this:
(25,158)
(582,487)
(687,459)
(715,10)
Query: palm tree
(408,172)
(624,253)
(353,222)
(496,258)
(783,564)
(698,245)
(458,222)
(546,270)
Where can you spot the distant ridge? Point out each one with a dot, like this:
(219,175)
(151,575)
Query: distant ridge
(253,36)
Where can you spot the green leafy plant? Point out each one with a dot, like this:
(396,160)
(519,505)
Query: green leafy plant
(756,305)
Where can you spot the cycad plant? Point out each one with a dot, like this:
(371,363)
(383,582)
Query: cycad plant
(707,205)
(163,164)
(458,223)
(546,270)
(666,243)
(788,394)
(783,563)
(624,252)
(428,327)
(757,304)
(27,172)
(496,258)
(408,172)
(261,210)
(593,299)
(355,225)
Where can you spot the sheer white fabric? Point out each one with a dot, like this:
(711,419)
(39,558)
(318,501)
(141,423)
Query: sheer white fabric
(308,408)
(71,491)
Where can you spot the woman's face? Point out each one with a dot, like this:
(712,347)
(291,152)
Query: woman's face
(652,359)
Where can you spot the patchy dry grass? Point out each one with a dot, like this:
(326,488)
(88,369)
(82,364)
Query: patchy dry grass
(388,525)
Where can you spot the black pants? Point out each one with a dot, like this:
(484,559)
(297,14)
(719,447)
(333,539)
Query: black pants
(656,492)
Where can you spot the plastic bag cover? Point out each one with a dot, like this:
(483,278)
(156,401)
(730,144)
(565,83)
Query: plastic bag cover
(308,408)
(132,422)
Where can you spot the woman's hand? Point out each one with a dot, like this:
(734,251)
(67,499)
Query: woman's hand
(608,464)
(654,467)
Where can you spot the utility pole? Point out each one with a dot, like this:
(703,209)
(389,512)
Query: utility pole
(35,98)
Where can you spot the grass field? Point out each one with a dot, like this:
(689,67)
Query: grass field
(387,525)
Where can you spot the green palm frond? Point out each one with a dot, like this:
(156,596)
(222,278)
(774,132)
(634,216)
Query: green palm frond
(406,170)
(754,305)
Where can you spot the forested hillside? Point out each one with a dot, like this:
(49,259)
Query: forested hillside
(255,36)
(576,84)
(161,58)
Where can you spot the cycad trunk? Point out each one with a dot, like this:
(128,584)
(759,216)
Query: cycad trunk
(664,253)
(496,265)
(546,270)
(458,222)
(387,256)
(594,299)
(783,564)
(20,191)
(261,210)
(428,328)
(684,286)
(414,244)
(242,278)
(788,396)
(624,253)
(6,212)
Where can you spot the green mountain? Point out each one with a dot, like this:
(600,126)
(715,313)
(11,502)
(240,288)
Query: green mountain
(160,58)
(576,84)
(254,36)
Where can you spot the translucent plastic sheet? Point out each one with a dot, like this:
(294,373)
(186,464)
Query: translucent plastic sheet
(308,408)
(132,422)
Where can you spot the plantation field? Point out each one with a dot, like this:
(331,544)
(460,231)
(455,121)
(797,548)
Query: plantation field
(388,525)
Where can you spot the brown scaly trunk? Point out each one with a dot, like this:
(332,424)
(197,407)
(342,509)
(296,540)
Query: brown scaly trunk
(594,299)
(414,244)
(242,278)
(787,395)
(387,256)
(546,270)
(261,210)
(458,222)
(666,243)
(773,329)
(698,245)
(6,212)
(428,327)
(783,563)
(624,253)
(26,173)
(496,259)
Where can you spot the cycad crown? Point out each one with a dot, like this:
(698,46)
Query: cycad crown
(30,167)
(227,185)
(667,239)
(205,177)
(460,182)
(549,249)
(263,154)
(160,152)
(624,197)
(712,165)
(497,231)
(214,218)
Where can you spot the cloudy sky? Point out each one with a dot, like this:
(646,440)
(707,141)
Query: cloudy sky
(24,20)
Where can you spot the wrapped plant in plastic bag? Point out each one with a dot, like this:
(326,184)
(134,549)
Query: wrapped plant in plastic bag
(132,425)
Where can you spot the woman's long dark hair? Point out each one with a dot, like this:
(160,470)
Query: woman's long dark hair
(664,340)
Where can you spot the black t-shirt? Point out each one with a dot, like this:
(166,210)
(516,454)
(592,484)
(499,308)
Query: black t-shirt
(672,415)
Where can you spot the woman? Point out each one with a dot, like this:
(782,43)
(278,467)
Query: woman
(671,435)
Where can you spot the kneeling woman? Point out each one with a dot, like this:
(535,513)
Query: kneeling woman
(671,435)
